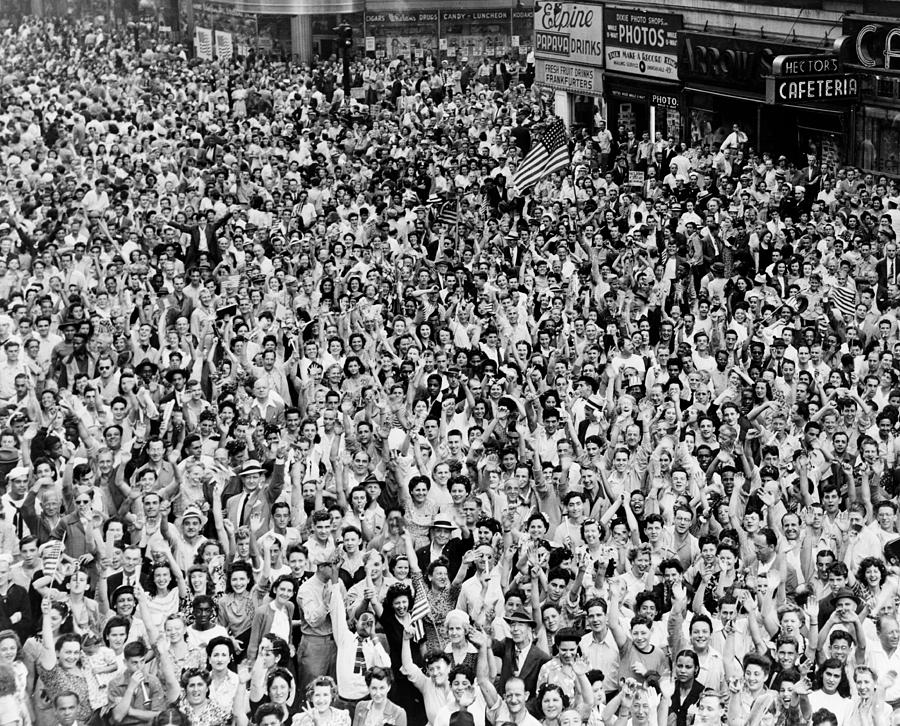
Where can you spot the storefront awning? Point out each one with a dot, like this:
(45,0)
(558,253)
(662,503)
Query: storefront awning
(641,82)
(733,93)
(643,90)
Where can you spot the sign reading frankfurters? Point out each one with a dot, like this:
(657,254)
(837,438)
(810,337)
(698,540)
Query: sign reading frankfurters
(641,43)
(839,87)
(565,31)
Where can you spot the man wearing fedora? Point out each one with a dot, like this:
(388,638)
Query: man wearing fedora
(257,496)
(442,544)
(519,655)
(190,526)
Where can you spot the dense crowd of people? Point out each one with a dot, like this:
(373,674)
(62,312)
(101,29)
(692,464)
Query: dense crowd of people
(310,416)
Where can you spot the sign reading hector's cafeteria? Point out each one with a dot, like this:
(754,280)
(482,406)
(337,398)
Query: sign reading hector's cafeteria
(642,43)
(565,31)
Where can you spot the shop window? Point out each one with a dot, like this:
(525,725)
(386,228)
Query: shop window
(878,140)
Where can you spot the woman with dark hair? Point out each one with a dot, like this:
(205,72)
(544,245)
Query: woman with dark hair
(192,696)
(320,695)
(225,687)
(281,692)
(241,599)
(60,669)
(356,377)
(688,689)
(274,655)
(11,658)
(377,709)
(275,616)
(872,586)
(166,588)
(170,717)
(552,701)
(394,616)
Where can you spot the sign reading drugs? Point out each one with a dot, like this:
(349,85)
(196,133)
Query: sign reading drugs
(565,31)
(642,43)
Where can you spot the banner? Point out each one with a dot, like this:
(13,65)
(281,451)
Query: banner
(224,45)
(204,44)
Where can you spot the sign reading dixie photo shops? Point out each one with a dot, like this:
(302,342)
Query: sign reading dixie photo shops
(729,62)
(566,77)
(642,43)
(870,44)
(837,88)
(565,31)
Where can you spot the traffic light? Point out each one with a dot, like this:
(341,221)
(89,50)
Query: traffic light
(345,35)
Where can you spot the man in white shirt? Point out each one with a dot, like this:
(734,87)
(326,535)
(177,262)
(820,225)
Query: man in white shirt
(357,652)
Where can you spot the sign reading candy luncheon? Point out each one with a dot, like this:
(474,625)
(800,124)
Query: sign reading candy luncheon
(569,31)
(642,43)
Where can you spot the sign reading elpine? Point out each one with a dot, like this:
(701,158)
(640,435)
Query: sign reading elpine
(841,87)
(566,77)
(642,43)
(566,31)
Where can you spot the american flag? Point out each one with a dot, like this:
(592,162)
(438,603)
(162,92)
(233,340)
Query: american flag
(550,154)
(52,556)
(449,214)
(421,609)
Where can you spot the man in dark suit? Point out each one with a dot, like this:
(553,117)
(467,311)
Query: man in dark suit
(441,545)
(888,268)
(130,574)
(258,495)
(204,238)
(15,609)
(519,656)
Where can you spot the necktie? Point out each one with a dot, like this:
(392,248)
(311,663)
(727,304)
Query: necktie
(360,665)
(242,519)
(17,521)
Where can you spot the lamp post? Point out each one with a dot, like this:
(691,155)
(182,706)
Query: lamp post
(345,42)
(135,28)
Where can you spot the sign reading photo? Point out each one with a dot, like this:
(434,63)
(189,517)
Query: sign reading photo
(642,43)
(565,31)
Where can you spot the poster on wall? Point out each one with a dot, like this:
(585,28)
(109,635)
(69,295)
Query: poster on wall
(642,43)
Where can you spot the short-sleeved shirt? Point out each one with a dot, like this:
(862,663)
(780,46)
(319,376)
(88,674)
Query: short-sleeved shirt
(655,660)
(149,696)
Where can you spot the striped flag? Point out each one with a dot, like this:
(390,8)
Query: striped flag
(421,609)
(484,205)
(449,214)
(52,556)
(550,154)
